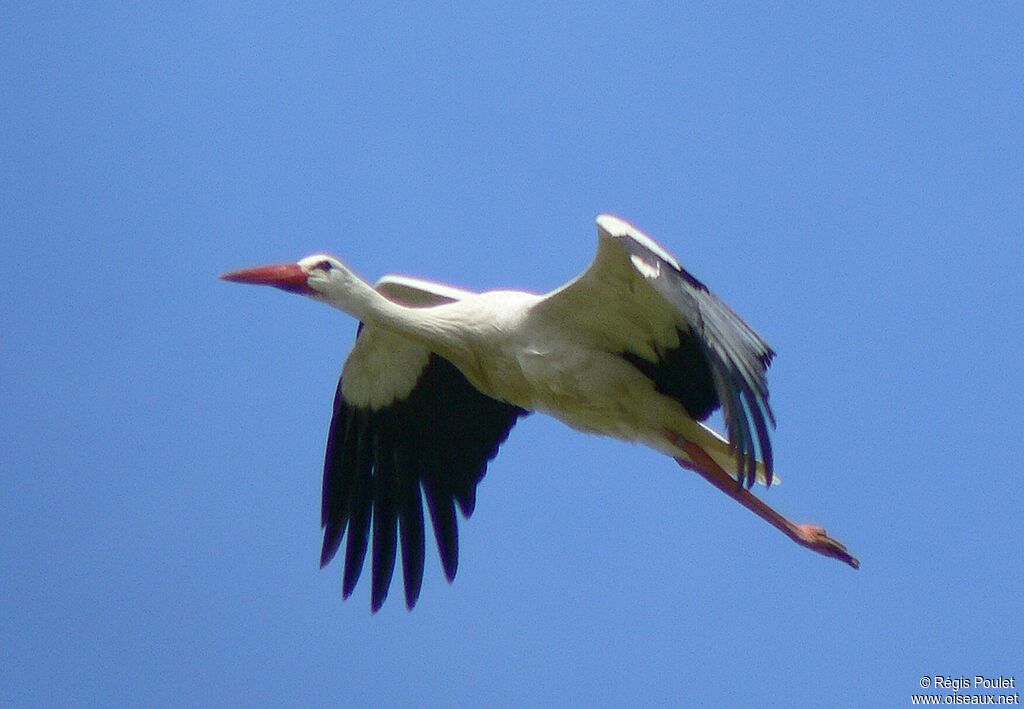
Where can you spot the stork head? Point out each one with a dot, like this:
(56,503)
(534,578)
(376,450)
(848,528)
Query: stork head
(318,276)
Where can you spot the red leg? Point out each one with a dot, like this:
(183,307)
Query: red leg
(808,535)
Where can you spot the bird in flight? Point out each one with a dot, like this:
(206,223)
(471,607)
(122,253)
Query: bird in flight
(635,348)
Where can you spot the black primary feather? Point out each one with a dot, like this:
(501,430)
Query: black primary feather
(437,440)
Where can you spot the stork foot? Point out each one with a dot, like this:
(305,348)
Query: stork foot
(810,536)
(814,538)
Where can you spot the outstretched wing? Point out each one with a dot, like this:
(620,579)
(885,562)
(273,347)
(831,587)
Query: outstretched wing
(638,299)
(407,425)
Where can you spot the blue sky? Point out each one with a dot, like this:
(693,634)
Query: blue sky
(850,179)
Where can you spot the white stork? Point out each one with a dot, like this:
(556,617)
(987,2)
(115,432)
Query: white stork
(635,348)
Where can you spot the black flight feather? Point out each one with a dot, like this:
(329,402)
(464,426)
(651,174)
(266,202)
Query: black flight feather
(437,440)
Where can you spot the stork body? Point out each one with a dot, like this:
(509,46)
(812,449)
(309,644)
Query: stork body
(512,349)
(634,348)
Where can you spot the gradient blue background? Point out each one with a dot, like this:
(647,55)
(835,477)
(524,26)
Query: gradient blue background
(850,180)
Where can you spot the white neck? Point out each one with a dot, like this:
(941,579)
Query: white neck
(428,326)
